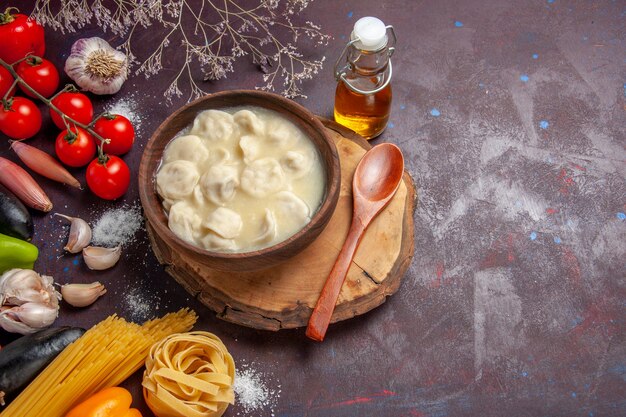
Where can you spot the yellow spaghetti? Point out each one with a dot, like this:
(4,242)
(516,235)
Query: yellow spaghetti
(104,356)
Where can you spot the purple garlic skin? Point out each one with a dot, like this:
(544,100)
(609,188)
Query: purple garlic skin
(97,67)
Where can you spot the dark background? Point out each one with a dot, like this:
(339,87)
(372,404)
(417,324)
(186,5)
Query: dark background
(514,302)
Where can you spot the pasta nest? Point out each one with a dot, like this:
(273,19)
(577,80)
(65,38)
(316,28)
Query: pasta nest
(189,375)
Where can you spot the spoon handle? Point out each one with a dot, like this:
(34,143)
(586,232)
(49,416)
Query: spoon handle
(323,311)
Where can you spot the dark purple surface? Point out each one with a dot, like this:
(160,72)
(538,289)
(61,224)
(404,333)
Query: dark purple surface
(511,118)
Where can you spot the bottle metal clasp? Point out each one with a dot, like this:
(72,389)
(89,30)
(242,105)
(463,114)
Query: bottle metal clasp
(340,72)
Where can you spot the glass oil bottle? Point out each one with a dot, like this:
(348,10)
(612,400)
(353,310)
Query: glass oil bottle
(363,73)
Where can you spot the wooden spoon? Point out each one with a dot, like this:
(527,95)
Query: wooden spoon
(375,181)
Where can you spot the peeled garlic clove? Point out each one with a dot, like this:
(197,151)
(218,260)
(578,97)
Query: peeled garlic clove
(82,295)
(80,234)
(33,315)
(20,286)
(98,258)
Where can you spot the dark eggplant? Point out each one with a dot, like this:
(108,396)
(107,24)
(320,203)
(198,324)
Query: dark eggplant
(15,220)
(22,360)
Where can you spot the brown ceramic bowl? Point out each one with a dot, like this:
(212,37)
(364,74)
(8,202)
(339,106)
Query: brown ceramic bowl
(246,261)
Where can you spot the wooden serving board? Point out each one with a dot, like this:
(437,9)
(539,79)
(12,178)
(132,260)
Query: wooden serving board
(283,296)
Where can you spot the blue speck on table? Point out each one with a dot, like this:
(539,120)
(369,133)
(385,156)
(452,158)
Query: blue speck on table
(544,124)
(75,261)
(458,24)
(533,235)
(524,78)
(535,56)
(350,14)
(621,216)
(435,112)
(557,240)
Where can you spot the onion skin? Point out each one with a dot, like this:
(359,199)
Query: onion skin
(20,183)
(43,164)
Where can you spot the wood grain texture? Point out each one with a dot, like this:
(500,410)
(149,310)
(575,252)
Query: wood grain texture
(284,296)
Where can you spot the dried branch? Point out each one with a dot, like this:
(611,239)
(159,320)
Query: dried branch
(211,33)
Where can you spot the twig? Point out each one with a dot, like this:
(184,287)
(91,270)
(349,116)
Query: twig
(49,103)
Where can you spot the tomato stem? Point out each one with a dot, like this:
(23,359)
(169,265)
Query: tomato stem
(103,158)
(33,60)
(70,136)
(6,95)
(48,102)
(22,59)
(95,119)
(7,17)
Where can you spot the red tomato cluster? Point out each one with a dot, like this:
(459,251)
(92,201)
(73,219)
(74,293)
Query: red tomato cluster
(22,46)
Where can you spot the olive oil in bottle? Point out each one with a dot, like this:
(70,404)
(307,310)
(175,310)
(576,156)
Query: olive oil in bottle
(363,95)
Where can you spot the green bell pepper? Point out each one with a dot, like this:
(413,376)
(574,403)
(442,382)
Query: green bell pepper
(16,253)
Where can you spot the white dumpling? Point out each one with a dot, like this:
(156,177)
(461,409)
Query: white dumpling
(224,222)
(297,164)
(183,221)
(219,184)
(292,208)
(251,146)
(217,243)
(167,204)
(268,228)
(280,134)
(177,179)
(249,122)
(188,148)
(262,178)
(214,125)
(218,155)
(198,196)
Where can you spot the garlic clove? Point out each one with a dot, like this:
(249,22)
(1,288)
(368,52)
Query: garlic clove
(13,325)
(98,258)
(80,234)
(82,295)
(34,315)
(19,286)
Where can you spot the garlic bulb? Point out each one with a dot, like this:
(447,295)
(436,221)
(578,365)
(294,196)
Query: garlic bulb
(80,234)
(82,295)
(29,301)
(95,66)
(98,258)
(20,286)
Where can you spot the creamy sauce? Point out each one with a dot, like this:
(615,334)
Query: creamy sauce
(240,180)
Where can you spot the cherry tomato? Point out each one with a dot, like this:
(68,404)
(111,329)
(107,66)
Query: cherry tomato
(40,74)
(22,120)
(20,36)
(6,81)
(74,105)
(75,149)
(108,177)
(119,130)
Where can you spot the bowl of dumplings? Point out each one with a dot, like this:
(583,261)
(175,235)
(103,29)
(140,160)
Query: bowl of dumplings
(238,181)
